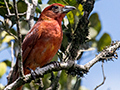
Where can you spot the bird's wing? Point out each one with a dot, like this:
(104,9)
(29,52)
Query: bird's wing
(30,40)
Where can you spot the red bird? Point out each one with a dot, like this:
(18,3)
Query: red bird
(44,39)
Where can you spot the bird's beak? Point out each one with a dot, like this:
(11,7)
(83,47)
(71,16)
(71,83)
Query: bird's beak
(66,9)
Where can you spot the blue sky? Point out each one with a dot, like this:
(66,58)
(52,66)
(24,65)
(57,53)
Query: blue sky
(109,15)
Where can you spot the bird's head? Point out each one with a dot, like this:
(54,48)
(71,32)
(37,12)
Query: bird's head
(55,11)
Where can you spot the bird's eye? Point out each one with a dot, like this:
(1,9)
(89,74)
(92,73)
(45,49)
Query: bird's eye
(55,7)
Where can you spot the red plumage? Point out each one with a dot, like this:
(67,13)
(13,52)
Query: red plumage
(44,39)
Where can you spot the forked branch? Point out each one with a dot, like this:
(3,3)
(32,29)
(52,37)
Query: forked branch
(68,66)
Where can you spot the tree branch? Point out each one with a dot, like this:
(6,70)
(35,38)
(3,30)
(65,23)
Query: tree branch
(20,65)
(30,12)
(69,65)
(104,78)
(12,54)
(5,29)
(10,33)
(81,32)
(12,62)
(108,53)
(12,14)
(7,7)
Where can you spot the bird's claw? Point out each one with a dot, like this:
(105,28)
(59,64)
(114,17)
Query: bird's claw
(33,74)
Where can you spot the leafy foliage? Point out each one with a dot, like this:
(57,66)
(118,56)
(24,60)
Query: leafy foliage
(22,6)
(105,40)
(3,68)
(3,9)
(95,25)
(70,29)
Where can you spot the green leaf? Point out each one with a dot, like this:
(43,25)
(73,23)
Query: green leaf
(1,87)
(63,80)
(39,2)
(64,2)
(3,68)
(105,40)
(8,38)
(3,9)
(3,0)
(70,2)
(70,17)
(95,22)
(83,88)
(46,80)
(64,43)
(92,33)
(22,6)
(38,10)
(26,86)
(79,10)
(13,31)
(56,1)
(55,58)
(13,19)
(8,63)
(24,27)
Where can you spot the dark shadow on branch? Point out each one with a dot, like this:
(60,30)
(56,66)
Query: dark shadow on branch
(57,66)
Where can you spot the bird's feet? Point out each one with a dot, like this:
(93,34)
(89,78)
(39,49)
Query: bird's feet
(39,72)
(33,74)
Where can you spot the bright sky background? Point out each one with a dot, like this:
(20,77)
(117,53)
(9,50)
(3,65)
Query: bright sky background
(109,14)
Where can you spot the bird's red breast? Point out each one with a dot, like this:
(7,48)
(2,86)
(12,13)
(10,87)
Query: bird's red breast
(41,44)
(44,39)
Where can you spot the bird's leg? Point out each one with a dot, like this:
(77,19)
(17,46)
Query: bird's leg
(38,71)
(33,74)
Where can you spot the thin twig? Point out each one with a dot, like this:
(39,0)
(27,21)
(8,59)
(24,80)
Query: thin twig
(11,34)
(110,51)
(7,7)
(19,14)
(57,66)
(19,40)
(12,64)
(55,82)
(31,7)
(12,54)
(12,14)
(7,31)
(104,78)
